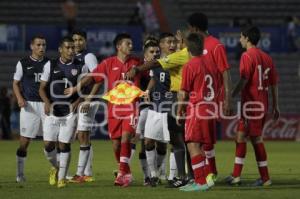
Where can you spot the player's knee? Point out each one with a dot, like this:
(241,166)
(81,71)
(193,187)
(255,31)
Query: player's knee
(49,147)
(65,148)
(21,152)
(161,149)
(149,146)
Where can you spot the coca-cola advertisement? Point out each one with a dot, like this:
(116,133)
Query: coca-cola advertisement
(286,128)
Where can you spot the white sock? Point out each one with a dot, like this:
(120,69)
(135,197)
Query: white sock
(64,165)
(57,158)
(82,159)
(163,167)
(144,166)
(51,157)
(173,167)
(151,161)
(159,160)
(88,171)
(20,165)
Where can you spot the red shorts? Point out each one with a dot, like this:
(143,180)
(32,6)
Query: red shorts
(251,127)
(200,130)
(116,127)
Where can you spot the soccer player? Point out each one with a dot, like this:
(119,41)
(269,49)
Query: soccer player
(199,124)
(86,114)
(121,118)
(60,122)
(257,75)
(214,52)
(151,51)
(156,123)
(26,88)
(167,42)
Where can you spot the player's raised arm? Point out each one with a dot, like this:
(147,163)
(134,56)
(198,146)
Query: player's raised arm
(144,67)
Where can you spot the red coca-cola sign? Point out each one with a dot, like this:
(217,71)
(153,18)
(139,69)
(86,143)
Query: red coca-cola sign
(286,128)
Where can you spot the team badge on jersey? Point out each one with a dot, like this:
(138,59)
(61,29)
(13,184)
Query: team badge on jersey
(74,72)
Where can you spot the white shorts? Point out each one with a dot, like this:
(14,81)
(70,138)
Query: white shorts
(60,129)
(156,127)
(32,117)
(140,129)
(86,120)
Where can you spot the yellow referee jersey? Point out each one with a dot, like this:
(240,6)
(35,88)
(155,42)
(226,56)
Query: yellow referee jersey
(174,64)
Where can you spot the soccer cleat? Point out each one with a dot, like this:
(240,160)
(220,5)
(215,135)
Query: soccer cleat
(77,179)
(119,180)
(260,183)
(147,181)
(154,181)
(52,176)
(195,187)
(20,179)
(177,182)
(190,181)
(127,179)
(233,181)
(61,183)
(88,179)
(210,180)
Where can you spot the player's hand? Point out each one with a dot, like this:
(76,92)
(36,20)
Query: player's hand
(179,38)
(22,103)
(85,108)
(130,74)
(47,107)
(276,114)
(180,117)
(74,106)
(147,96)
(70,91)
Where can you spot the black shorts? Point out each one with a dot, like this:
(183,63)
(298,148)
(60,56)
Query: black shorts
(173,127)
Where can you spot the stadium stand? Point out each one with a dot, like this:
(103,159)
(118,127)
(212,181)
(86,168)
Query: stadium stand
(262,12)
(49,12)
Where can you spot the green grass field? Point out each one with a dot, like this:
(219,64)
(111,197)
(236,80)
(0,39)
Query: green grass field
(283,159)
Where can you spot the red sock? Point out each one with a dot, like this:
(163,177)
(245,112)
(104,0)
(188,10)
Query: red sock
(261,158)
(198,165)
(124,159)
(117,155)
(210,156)
(240,153)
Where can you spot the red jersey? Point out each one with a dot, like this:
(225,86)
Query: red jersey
(113,71)
(198,81)
(215,54)
(257,67)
